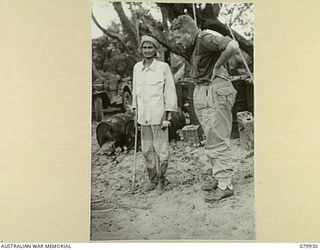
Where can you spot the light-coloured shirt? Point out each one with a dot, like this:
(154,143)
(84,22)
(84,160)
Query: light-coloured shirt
(154,92)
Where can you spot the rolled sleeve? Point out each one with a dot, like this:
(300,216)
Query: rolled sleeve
(170,95)
(215,43)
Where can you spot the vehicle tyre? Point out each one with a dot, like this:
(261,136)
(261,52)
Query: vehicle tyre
(130,135)
(126,101)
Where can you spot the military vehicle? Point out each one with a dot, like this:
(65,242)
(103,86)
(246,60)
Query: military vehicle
(110,90)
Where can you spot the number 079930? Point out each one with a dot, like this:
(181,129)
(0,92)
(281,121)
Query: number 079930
(308,246)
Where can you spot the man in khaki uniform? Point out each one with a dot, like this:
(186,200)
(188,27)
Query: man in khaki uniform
(154,97)
(214,97)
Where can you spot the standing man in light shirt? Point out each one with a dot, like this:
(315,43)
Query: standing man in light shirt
(154,97)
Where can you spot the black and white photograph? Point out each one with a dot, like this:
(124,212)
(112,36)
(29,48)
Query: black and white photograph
(172,121)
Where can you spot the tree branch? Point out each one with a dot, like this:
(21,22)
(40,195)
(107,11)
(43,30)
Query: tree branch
(240,12)
(174,10)
(164,14)
(216,9)
(110,34)
(127,25)
(230,19)
(134,20)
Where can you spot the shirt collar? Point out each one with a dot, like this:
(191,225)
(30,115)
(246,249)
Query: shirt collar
(151,67)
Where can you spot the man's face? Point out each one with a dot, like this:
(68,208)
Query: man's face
(148,50)
(182,38)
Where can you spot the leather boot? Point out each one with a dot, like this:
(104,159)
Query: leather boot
(161,185)
(218,195)
(210,185)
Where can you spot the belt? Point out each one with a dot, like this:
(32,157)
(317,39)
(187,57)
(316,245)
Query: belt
(207,83)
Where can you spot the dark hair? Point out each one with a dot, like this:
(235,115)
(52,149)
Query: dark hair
(184,23)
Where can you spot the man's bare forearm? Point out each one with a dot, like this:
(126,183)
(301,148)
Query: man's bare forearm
(229,51)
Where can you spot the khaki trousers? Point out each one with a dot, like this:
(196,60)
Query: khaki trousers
(155,149)
(213,104)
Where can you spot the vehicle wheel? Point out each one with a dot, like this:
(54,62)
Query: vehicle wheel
(130,135)
(126,101)
(98,113)
(102,131)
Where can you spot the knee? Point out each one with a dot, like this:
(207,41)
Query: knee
(164,156)
(148,155)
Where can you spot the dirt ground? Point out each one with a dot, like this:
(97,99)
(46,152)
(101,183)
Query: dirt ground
(180,213)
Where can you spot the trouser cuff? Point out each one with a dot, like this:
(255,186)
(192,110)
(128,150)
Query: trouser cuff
(224,186)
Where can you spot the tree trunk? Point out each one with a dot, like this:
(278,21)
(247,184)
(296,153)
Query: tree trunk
(164,14)
(127,25)
(95,73)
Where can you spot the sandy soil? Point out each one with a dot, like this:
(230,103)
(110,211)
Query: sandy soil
(178,214)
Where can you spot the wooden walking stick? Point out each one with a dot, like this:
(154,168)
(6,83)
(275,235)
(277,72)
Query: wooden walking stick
(135,150)
(135,158)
